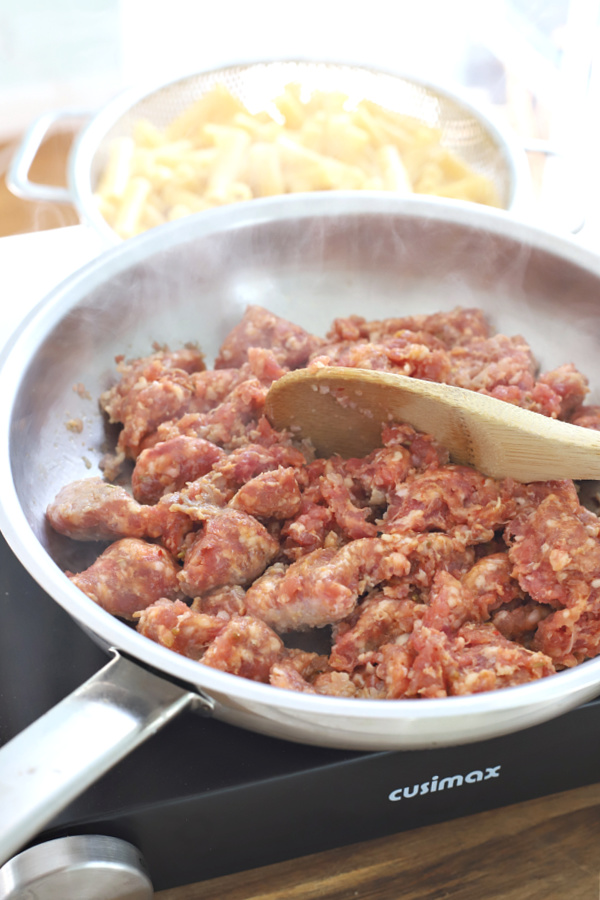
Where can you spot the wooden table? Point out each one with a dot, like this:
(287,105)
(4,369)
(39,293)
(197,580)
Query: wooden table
(546,849)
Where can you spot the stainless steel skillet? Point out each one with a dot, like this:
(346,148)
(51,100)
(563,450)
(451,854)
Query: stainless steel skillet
(309,258)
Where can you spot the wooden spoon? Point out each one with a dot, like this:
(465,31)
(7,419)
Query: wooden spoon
(342,411)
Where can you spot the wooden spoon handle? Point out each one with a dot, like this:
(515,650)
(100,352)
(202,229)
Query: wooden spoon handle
(342,410)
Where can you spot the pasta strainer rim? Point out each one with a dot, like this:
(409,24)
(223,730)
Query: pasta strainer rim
(90,137)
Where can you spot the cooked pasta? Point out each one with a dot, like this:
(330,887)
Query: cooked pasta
(218,152)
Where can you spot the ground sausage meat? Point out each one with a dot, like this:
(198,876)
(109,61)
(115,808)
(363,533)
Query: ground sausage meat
(231,548)
(129,576)
(169,465)
(93,510)
(425,578)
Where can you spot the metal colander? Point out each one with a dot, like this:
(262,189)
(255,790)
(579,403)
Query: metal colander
(465,131)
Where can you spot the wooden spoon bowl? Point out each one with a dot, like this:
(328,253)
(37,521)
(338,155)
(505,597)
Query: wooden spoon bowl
(342,410)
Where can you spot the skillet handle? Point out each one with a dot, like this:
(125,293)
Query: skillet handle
(53,760)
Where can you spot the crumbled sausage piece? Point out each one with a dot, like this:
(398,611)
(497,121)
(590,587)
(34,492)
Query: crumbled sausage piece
(505,368)
(169,465)
(472,598)
(92,510)
(587,417)
(251,460)
(428,553)
(226,601)
(351,520)
(81,390)
(454,499)
(169,524)
(218,487)
(378,620)
(147,405)
(296,669)
(491,584)
(240,645)
(290,343)
(322,587)
(284,675)
(450,606)
(425,451)
(569,385)
(129,576)
(555,551)
(273,494)
(518,621)
(151,390)
(363,682)
(475,658)
(318,589)
(455,327)
(140,372)
(210,388)
(571,635)
(483,365)
(245,647)
(395,669)
(263,364)
(174,625)
(311,529)
(316,677)
(459,326)
(226,424)
(434,561)
(232,548)
(340,497)
(405,353)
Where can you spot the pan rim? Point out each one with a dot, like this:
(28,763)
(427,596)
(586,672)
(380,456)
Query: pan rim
(584,678)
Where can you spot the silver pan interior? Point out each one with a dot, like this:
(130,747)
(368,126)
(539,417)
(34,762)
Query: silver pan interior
(308,258)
